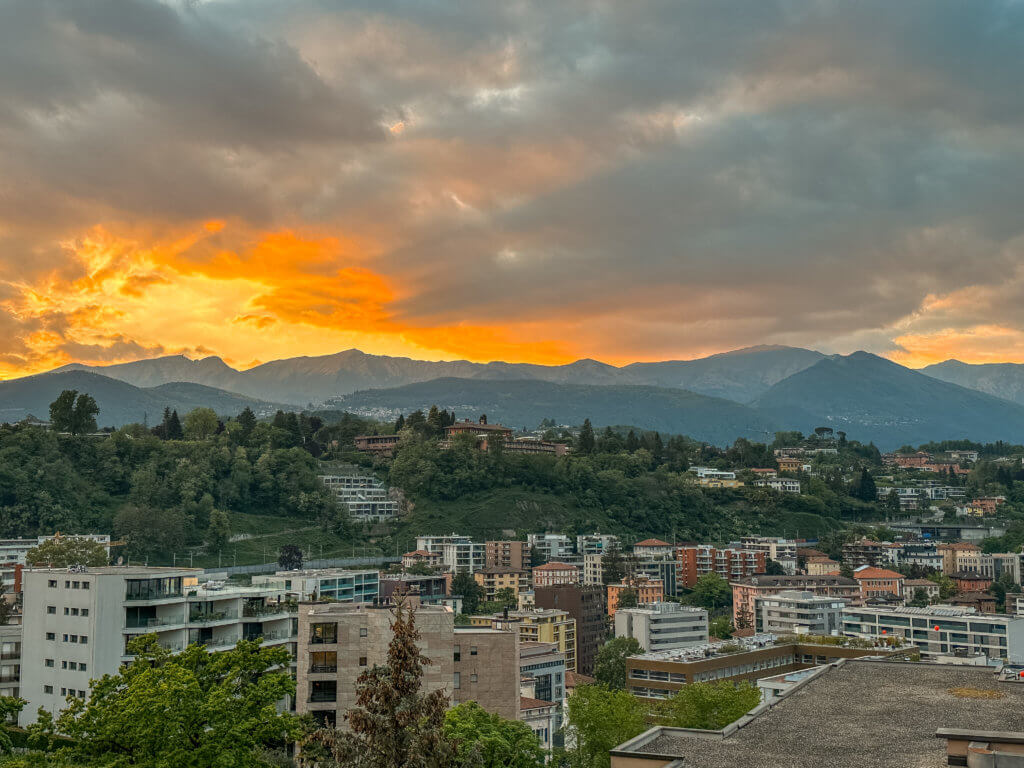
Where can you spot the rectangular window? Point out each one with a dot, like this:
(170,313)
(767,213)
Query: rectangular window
(67,611)
(85,611)
(74,584)
(323,690)
(85,585)
(67,585)
(74,611)
(51,636)
(472,650)
(48,662)
(64,638)
(52,583)
(457,683)
(362,631)
(63,691)
(362,661)
(323,633)
(81,666)
(84,640)
(81,694)
(472,678)
(47,689)
(63,665)
(51,609)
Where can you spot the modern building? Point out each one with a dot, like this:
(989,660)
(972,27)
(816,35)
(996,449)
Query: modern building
(865,552)
(663,626)
(660,569)
(780,484)
(428,589)
(538,625)
(594,543)
(593,568)
(553,573)
(1011,563)
(544,665)
(648,591)
(337,642)
(782,551)
(493,579)
(731,564)
(585,604)
(853,714)
(792,612)
(324,584)
(923,553)
(365,497)
(463,556)
(78,622)
(878,582)
(548,547)
(479,429)
(941,630)
(746,591)
(659,675)
(507,554)
(654,549)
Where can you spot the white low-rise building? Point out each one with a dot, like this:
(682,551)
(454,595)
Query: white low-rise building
(794,612)
(663,626)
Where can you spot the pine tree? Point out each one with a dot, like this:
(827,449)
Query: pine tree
(632,442)
(399,423)
(174,430)
(585,443)
(247,420)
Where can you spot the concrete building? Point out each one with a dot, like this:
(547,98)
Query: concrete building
(78,622)
(553,573)
(663,626)
(664,570)
(782,551)
(910,587)
(494,579)
(459,554)
(10,660)
(923,553)
(792,612)
(654,549)
(942,630)
(417,556)
(857,554)
(952,551)
(593,569)
(821,566)
(538,625)
(980,563)
(337,642)
(585,604)
(1015,603)
(594,543)
(365,497)
(428,589)
(507,554)
(780,484)
(731,564)
(324,583)
(1011,563)
(543,719)
(746,591)
(550,547)
(878,582)
(544,665)
(648,591)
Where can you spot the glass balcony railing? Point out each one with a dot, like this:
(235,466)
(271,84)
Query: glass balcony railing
(211,616)
(257,611)
(134,622)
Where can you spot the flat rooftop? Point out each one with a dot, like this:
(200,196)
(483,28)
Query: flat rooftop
(858,713)
(122,570)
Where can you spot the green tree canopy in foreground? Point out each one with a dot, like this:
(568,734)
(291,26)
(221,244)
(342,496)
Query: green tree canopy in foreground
(62,551)
(73,412)
(498,742)
(600,719)
(708,705)
(610,666)
(193,709)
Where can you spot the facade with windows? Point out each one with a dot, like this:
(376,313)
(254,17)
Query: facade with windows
(663,626)
(324,583)
(10,660)
(365,497)
(794,612)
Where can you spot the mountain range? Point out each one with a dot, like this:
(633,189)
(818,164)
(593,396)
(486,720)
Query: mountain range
(748,392)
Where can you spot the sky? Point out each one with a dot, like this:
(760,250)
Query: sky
(520,181)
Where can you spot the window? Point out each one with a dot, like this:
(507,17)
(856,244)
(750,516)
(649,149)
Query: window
(63,665)
(47,689)
(362,631)
(48,662)
(362,661)
(85,611)
(74,584)
(67,585)
(72,638)
(52,583)
(472,650)
(323,661)
(85,585)
(84,640)
(458,653)
(81,666)
(323,633)
(63,691)
(323,690)
(51,636)
(74,611)
(51,609)
(457,683)
(81,694)
(64,638)
(472,678)
(67,611)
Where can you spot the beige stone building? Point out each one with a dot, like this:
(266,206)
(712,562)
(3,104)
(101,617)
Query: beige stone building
(497,578)
(337,642)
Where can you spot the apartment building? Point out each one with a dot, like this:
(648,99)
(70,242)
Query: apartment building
(821,566)
(507,554)
(417,556)
(363,495)
(929,587)
(593,570)
(585,604)
(378,445)
(428,589)
(647,591)
(696,560)
(542,717)
(544,666)
(782,551)
(1015,603)
(594,543)
(942,630)
(865,552)
(554,573)
(792,612)
(780,484)
(537,625)
(973,561)
(337,642)
(924,554)
(324,584)
(663,626)
(78,622)
(951,551)
(878,582)
(661,569)
(494,579)
(459,554)
(654,549)
(10,659)
(746,591)
(550,547)
(1011,563)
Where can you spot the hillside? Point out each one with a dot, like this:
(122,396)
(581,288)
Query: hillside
(877,400)
(119,402)
(1005,380)
(524,403)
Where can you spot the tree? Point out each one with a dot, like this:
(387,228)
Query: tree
(64,551)
(219,532)
(709,706)
(505,595)
(247,421)
(171,427)
(610,664)
(472,593)
(186,709)
(773,568)
(492,739)
(947,587)
(920,599)
(627,598)
(865,489)
(712,591)
(585,442)
(289,557)
(393,723)
(73,412)
(9,707)
(612,565)
(600,719)
(720,627)
(200,423)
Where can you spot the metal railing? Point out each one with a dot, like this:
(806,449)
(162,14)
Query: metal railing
(146,623)
(319,668)
(257,611)
(207,618)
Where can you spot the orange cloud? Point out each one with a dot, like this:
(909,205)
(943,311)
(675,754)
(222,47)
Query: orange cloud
(978,344)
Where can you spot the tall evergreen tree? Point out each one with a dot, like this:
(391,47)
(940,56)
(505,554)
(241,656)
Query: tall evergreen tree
(632,443)
(174,430)
(585,442)
(247,420)
(399,423)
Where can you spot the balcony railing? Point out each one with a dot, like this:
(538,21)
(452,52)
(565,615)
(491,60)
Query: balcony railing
(255,611)
(278,635)
(147,623)
(320,698)
(9,656)
(153,594)
(321,668)
(207,618)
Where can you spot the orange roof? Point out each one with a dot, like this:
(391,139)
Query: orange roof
(556,567)
(572,679)
(419,553)
(652,543)
(525,702)
(867,572)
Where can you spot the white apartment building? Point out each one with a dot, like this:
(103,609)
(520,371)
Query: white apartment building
(713,474)
(78,622)
(942,630)
(780,484)
(459,554)
(594,543)
(362,493)
(10,659)
(593,570)
(782,551)
(975,562)
(1015,604)
(13,552)
(794,612)
(551,546)
(663,626)
(338,584)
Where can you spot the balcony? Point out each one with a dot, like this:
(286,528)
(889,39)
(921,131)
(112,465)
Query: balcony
(153,623)
(315,669)
(212,617)
(265,611)
(321,698)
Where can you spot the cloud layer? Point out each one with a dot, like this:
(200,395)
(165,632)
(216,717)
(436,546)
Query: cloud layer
(526,181)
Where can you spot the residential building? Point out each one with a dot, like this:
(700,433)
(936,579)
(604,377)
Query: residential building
(663,626)
(507,554)
(594,543)
(710,473)
(980,563)
(1011,563)
(480,429)
(553,573)
(532,445)
(982,602)
(324,584)
(360,492)
(782,551)
(696,560)
(853,714)
(941,630)
(544,666)
(647,591)
(432,559)
(550,547)
(337,642)
(435,544)
(969,581)
(659,675)
(746,591)
(787,464)
(593,570)
(661,569)
(923,553)
(720,482)
(792,612)
(780,484)
(954,550)
(821,566)
(379,445)
(463,556)
(10,660)
(428,589)
(78,622)
(877,582)
(911,586)
(764,471)
(495,579)
(865,552)
(585,604)
(1015,603)
(542,717)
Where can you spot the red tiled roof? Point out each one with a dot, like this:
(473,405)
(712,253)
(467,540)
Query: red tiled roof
(556,567)
(652,543)
(525,702)
(876,573)
(419,553)
(572,679)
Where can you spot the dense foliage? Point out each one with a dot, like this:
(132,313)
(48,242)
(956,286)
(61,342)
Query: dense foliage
(495,741)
